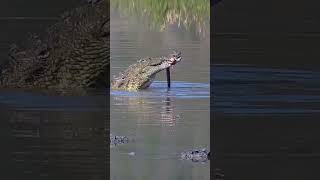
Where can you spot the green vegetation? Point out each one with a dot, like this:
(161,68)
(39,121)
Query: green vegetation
(161,13)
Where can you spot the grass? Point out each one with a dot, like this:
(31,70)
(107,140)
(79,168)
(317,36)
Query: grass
(161,13)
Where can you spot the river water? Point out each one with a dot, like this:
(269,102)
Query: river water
(265,121)
(54,136)
(161,123)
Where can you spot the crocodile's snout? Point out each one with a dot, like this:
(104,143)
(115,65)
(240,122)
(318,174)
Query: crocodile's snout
(166,62)
(174,58)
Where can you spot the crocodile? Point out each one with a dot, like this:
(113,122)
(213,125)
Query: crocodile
(196,155)
(73,53)
(141,74)
(118,140)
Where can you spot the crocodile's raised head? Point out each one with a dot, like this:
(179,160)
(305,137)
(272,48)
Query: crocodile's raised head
(141,74)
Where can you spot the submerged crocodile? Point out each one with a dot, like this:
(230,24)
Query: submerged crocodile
(74,52)
(196,155)
(118,140)
(141,74)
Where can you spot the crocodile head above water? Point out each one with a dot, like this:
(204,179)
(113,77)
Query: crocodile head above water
(141,74)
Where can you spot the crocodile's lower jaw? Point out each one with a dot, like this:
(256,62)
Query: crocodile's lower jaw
(147,84)
(129,87)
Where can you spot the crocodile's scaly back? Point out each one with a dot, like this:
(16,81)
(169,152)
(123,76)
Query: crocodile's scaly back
(73,53)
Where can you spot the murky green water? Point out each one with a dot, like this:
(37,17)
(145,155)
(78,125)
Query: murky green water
(161,123)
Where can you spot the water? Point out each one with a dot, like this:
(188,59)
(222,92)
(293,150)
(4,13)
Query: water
(54,136)
(248,90)
(162,123)
(265,121)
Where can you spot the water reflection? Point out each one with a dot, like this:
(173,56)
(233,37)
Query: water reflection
(169,115)
(143,104)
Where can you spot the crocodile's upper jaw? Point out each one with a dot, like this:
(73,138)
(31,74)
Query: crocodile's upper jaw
(152,69)
(174,58)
